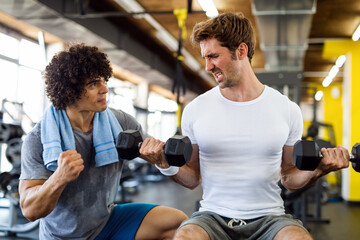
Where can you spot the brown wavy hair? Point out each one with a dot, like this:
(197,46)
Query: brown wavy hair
(69,71)
(230,29)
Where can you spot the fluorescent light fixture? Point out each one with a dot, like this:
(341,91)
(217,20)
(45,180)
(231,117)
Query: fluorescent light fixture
(131,6)
(340,61)
(190,61)
(327,81)
(319,95)
(161,33)
(356,34)
(209,7)
(333,71)
(167,39)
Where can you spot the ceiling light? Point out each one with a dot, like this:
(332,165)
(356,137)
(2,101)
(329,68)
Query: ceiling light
(167,39)
(209,7)
(130,5)
(356,34)
(319,95)
(326,82)
(333,71)
(340,61)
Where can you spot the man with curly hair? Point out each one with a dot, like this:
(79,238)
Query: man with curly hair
(70,169)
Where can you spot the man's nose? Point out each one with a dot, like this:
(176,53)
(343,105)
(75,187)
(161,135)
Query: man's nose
(208,65)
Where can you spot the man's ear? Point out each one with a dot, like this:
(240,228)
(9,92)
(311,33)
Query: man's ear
(242,51)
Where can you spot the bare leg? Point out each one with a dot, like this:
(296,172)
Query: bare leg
(160,223)
(293,233)
(191,231)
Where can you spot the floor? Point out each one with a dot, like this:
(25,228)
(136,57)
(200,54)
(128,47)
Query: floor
(344,218)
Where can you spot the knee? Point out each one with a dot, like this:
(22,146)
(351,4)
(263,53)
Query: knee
(176,217)
(191,231)
(170,219)
(293,232)
(160,223)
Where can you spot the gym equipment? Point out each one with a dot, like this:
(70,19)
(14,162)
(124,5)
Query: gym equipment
(177,150)
(307,156)
(13,152)
(9,131)
(9,187)
(128,144)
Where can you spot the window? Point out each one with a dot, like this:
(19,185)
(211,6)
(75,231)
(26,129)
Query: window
(21,63)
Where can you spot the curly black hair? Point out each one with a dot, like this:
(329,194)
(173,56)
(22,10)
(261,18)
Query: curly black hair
(69,71)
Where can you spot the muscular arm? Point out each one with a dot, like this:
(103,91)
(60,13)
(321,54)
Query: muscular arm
(39,197)
(293,178)
(189,174)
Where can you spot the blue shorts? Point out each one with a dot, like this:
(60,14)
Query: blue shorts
(124,221)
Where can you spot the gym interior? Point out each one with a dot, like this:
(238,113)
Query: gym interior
(308,50)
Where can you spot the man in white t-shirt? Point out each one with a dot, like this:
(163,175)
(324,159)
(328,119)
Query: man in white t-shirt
(243,134)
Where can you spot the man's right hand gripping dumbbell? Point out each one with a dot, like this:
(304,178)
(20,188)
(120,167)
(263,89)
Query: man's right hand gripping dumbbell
(178,149)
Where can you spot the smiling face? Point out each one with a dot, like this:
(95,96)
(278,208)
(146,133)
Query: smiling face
(94,97)
(221,62)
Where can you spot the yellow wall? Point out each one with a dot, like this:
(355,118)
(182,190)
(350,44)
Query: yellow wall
(351,118)
(333,112)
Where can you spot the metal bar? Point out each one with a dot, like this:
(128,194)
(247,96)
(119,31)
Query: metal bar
(102,15)
(283,47)
(284,12)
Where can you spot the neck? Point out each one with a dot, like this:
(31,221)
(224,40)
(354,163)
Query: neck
(82,120)
(248,88)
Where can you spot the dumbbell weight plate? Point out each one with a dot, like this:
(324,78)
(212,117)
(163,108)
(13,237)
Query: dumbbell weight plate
(9,131)
(356,153)
(306,155)
(4,132)
(13,152)
(178,150)
(127,144)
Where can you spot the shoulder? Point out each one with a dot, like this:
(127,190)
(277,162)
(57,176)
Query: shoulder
(35,133)
(126,120)
(283,103)
(203,98)
(276,95)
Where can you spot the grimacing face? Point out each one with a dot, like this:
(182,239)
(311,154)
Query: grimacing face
(221,62)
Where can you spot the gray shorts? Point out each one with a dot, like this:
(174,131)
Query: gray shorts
(219,227)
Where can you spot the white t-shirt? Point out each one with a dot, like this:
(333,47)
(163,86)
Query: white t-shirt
(240,146)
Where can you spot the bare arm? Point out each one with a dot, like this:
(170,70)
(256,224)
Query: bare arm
(152,150)
(189,174)
(39,197)
(293,178)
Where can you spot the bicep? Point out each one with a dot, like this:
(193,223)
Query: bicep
(194,163)
(287,163)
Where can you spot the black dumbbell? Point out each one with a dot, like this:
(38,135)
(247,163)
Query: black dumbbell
(307,155)
(178,149)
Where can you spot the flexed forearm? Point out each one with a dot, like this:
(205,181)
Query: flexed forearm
(39,197)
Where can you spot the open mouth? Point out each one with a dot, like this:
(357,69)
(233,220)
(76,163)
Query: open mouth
(218,75)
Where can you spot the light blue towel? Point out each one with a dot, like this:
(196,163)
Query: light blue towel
(57,136)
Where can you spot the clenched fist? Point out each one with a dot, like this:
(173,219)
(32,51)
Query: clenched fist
(70,165)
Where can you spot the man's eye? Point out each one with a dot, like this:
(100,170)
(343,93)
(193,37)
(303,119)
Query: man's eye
(92,84)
